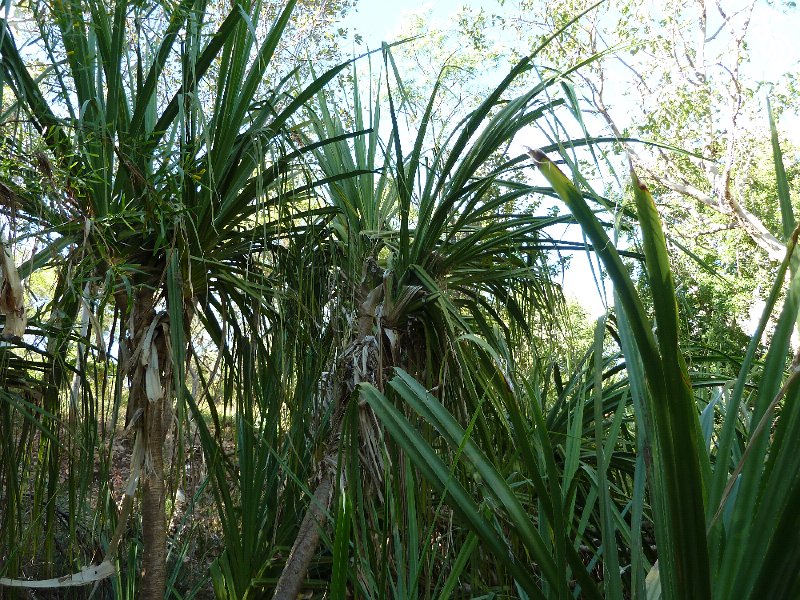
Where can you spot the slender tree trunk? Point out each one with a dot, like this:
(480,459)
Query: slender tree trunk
(154,526)
(148,411)
(306,543)
(347,374)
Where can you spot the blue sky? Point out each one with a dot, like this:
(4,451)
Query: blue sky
(773,35)
(378,21)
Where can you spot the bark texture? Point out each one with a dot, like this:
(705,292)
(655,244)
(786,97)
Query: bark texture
(145,406)
(154,525)
(306,543)
(358,363)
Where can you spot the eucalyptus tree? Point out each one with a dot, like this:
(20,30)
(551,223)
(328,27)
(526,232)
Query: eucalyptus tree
(688,76)
(170,179)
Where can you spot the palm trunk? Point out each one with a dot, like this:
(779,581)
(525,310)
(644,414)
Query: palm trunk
(150,409)
(306,543)
(154,525)
(347,376)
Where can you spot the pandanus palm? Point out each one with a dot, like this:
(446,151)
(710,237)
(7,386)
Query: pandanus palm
(436,253)
(176,179)
(721,495)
